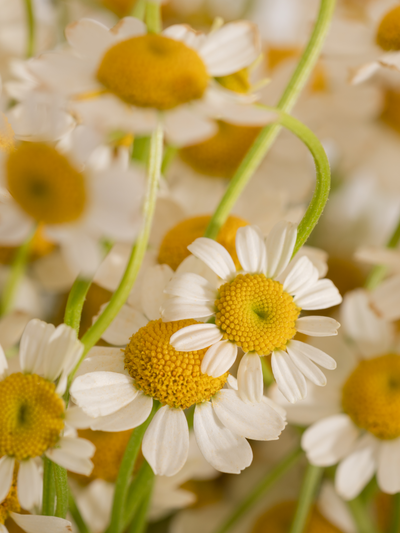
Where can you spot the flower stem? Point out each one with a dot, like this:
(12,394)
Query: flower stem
(395,521)
(136,491)
(49,490)
(308,490)
(269,133)
(140,521)
(259,490)
(153,17)
(31,28)
(76,515)
(139,9)
(76,299)
(379,271)
(268,376)
(363,521)
(62,490)
(125,472)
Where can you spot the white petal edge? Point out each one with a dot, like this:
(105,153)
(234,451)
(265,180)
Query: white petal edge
(250,379)
(280,245)
(40,524)
(219,358)
(130,416)
(29,484)
(289,379)
(195,337)
(215,256)
(251,250)
(6,475)
(317,326)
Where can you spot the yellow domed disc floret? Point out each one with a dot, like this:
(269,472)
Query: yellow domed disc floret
(10,504)
(31,416)
(44,184)
(388,34)
(256,313)
(371,396)
(173,249)
(171,377)
(279,519)
(153,71)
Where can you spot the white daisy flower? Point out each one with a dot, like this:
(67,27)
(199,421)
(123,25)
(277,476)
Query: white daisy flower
(121,78)
(358,424)
(256,309)
(77,191)
(117,389)
(33,415)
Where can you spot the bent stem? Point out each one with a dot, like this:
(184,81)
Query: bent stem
(136,491)
(125,472)
(76,299)
(260,490)
(153,17)
(31,28)
(308,490)
(379,271)
(269,133)
(363,521)
(140,521)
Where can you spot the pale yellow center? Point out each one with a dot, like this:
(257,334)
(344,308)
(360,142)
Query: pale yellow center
(237,82)
(388,34)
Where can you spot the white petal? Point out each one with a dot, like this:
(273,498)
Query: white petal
(299,276)
(103,393)
(130,416)
(388,474)
(128,27)
(375,255)
(335,509)
(73,454)
(235,46)
(89,37)
(215,256)
(250,379)
(280,246)
(154,282)
(176,308)
(185,125)
(195,337)
(33,344)
(224,450)
(219,358)
(29,484)
(321,295)
(192,287)
(317,326)
(3,362)
(364,72)
(103,359)
(386,298)
(6,475)
(166,441)
(15,226)
(354,472)
(251,250)
(77,419)
(39,524)
(125,324)
(315,354)
(258,421)
(182,32)
(306,367)
(326,442)
(62,352)
(289,379)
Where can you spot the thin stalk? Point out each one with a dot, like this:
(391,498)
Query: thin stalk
(136,491)
(379,271)
(62,490)
(260,490)
(269,133)
(125,473)
(361,518)
(153,17)
(395,521)
(49,488)
(140,520)
(76,515)
(139,9)
(121,294)
(76,299)
(170,153)
(268,376)
(308,490)
(31,28)
(17,271)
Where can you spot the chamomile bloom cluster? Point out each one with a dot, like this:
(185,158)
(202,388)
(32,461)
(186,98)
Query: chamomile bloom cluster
(34,421)
(121,78)
(256,309)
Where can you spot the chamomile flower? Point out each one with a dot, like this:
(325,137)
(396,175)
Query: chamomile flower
(256,309)
(33,417)
(123,77)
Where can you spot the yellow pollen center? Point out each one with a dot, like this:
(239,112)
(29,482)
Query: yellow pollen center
(237,82)
(10,504)
(153,71)
(388,34)
(121,8)
(256,313)
(171,377)
(279,519)
(6,134)
(44,184)
(31,416)
(221,154)
(278,55)
(173,249)
(371,396)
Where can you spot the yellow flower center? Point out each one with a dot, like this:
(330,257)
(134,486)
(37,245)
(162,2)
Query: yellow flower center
(256,313)
(153,71)
(10,504)
(221,154)
(388,34)
(6,134)
(173,249)
(371,396)
(277,55)
(237,82)
(171,377)
(279,519)
(31,416)
(391,109)
(44,184)
(122,8)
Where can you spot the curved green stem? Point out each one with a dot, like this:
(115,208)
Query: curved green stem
(395,521)
(379,271)
(31,27)
(76,299)
(361,518)
(139,9)
(141,482)
(140,521)
(125,473)
(268,134)
(62,490)
(49,489)
(76,515)
(260,490)
(153,17)
(308,490)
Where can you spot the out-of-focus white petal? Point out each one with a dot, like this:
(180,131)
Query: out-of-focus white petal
(195,337)
(215,256)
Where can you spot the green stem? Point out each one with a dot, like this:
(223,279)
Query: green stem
(170,153)
(260,490)
(153,17)
(140,520)
(269,133)
(395,521)
(121,294)
(136,490)
(267,373)
(139,9)
(363,521)
(62,490)
(76,515)
(49,490)
(76,299)
(379,271)
(308,490)
(125,473)
(17,271)
(30,23)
